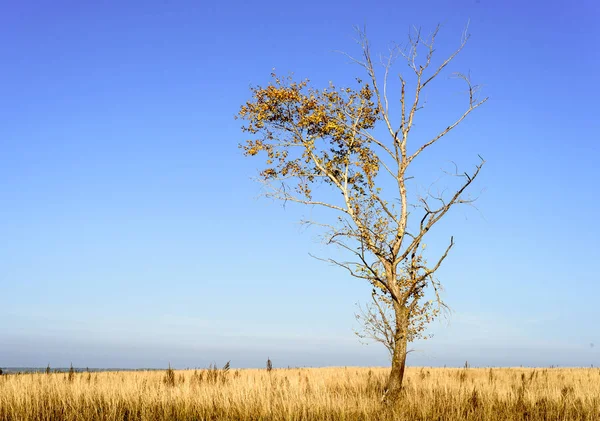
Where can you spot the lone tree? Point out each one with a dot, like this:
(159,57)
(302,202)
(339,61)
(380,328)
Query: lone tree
(316,141)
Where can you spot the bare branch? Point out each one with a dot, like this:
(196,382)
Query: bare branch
(447,130)
(464,40)
(282,194)
(434,216)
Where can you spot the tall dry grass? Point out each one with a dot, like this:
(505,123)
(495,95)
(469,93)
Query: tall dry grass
(303,394)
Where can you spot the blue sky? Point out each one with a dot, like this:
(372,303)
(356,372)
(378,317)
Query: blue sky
(131,234)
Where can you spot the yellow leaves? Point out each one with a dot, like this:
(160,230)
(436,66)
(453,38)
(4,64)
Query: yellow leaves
(291,106)
(252,147)
(280,94)
(304,190)
(268,173)
(327,127)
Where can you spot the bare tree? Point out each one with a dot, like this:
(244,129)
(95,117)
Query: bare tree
(313,138)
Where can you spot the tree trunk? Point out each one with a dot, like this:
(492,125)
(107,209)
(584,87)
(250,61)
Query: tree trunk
(394,383)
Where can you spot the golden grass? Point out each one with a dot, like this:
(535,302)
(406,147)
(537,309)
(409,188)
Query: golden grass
(304,394)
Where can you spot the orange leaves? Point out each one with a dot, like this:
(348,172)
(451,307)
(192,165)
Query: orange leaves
(310,134)
(280,94)
(252,147)
(304,190)
(268,173)
(369,164)
(291,168)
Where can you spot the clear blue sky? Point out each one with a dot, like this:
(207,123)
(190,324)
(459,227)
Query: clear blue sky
(130,232)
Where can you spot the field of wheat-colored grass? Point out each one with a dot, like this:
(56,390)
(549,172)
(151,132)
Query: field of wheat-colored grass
(303,394)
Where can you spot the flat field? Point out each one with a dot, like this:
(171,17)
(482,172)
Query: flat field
(304,394)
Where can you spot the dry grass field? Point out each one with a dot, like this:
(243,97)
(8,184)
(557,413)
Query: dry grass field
(303,394)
